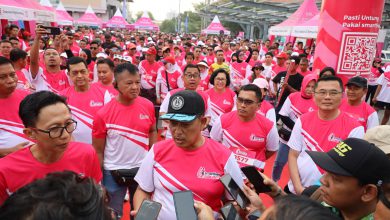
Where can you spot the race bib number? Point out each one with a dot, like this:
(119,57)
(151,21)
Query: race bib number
(244,157)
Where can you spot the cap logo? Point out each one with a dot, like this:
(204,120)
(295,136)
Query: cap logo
(177,103)
(342,148)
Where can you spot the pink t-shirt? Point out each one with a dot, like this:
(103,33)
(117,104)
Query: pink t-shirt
(84,106)
(173,78)
(249,141)
(220,103)
(239,73)
(373,76)
(148,74)
(314,134)
(54,82)
(228,55)
(21,167)
(204,82)
(126,130)
(210,59)
(166,170)
(23,83)
(277,69)
(110,88)
(363,113)
(267,110)
(11,126)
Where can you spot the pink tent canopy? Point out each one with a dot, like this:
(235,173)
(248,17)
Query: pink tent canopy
(305,12)
(89,18)
(145,23)
(26,10)
(215,27)
(117,20)
(63,18)
(308,29)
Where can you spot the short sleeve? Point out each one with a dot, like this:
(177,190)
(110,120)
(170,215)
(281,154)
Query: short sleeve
(165,103)
(216,131)
(272,140)
(99,129)
(381,79)
(296,140)
(286,108)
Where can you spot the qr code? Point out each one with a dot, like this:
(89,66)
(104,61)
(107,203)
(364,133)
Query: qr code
(356,53)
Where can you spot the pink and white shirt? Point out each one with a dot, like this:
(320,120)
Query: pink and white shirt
(373,76)
(11,126)
(148,74)
(126,130)
(239,73)
(173,78)
(268,111)
(21,167)
(54,82)
(221,103)
(23,83)
(249,141)
(384,93)
(84,106)
(314,134)
(110,88)
(363,113)
(204,82)
(166,170)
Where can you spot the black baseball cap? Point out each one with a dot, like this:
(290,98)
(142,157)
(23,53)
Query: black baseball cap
(357,81)
(184,106)
(356,158)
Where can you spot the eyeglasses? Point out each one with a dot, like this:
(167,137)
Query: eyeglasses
(191,76)
(93,48)
(56,132)
(210,49)
(220,79)
(245,101)
(332,93)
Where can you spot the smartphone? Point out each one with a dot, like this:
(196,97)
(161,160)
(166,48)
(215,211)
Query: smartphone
(52,30)
(256,179)
(230,213)
(184,205)
(234,190)
(149,210)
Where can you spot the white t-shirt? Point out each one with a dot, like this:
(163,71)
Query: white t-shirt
(384,94)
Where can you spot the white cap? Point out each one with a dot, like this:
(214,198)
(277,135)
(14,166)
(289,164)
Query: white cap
(127,59)
(150,39)
(200,43)
(203,63)
(261,83)
(117,56)
(295,54)
(101,55)
(64,55)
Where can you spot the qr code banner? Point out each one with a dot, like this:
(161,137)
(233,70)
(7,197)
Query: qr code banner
(357,53)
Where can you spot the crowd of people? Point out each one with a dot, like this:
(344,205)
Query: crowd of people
(91,118)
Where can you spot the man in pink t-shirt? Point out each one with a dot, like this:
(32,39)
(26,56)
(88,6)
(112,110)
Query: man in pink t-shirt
(189,161)
(123,132)
(355,106)
(11,127)
(48,120)
(148,70)
(250,136)
(50,77)
(83,99)
(319,131)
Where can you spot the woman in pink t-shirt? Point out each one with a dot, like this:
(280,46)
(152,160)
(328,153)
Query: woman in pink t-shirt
(222,98)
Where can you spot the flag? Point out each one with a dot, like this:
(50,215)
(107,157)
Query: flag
(124,10)
(186,24)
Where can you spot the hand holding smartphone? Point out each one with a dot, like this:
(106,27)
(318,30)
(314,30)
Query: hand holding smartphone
(51,30)
(234,190)
(256,179)
(149,210)
(230,213)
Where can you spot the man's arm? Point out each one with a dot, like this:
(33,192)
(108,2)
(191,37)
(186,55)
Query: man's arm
(4,152)
(34,53)
(152,135)
(99,144)
(139,196)
(378,89)
(294,173)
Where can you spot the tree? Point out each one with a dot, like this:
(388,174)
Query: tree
(168,26)
(140,13)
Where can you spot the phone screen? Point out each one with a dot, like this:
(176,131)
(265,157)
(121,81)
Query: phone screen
(230,213)
(149,210)
(234,190)
(256,179)
(52,30)
(184,205)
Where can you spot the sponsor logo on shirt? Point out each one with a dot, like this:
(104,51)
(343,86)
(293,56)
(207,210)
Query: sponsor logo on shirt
(143,116)
(95,104)
(61,82)
(253,137)
(203,174)
(226,102)
(240,152)
(332,137)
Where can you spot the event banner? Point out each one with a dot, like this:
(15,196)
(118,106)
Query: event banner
(347,37)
